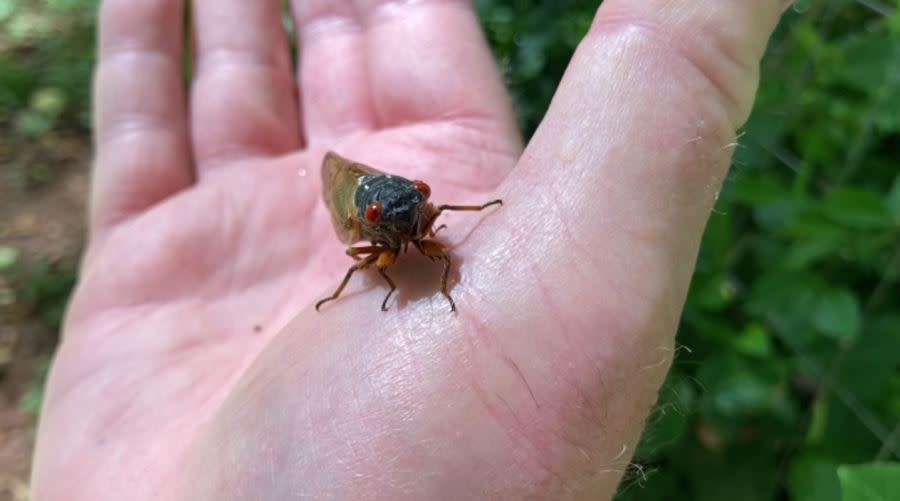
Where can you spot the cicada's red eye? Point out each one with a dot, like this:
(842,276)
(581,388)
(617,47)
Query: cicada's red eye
(373,213)
(422,188)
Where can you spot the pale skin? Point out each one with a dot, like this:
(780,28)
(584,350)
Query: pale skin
(193,364)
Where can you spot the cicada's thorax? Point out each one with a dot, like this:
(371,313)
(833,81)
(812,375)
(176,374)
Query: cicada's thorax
(404,210)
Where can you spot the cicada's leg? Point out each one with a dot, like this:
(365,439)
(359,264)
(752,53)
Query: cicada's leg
(354,252)
(435,250)
(435,231)
(361,264)
(470,207)
(385,259)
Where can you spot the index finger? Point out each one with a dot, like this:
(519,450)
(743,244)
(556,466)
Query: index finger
(437,50)
(429,62)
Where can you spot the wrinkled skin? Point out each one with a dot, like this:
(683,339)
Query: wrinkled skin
(193,364)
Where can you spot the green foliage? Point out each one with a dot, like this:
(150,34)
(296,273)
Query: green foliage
(43,286)
(46,57)
(9,256)
(792,325)
(32,400)
(813,478)
(870,482)
(533,41)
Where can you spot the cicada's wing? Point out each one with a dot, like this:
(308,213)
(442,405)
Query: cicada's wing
(340,180)
(336,170)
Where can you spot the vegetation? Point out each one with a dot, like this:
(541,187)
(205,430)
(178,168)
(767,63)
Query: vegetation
(786,384)
(47,50)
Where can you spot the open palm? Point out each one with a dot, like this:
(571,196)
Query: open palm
(192,361)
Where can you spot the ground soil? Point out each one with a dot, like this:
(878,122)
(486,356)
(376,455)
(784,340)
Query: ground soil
(43,193)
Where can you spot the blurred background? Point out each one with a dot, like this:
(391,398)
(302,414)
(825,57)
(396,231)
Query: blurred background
(786,383)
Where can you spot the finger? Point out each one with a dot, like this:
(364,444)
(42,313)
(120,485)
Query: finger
(142,148)
(243,99)
(429,61)
(617,185)
(335,100)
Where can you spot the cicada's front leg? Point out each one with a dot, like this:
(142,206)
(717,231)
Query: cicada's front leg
(381,257)
(361,264)
(435,250)
(355,252)
(385,259)
(471,208)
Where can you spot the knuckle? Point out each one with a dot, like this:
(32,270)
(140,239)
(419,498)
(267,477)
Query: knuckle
(700,56)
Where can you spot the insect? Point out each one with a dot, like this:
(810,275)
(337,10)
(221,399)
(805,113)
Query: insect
(387,210)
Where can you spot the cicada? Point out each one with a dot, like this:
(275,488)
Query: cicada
(388,211)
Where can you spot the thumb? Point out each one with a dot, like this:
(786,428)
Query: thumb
(633,150)
(617,185)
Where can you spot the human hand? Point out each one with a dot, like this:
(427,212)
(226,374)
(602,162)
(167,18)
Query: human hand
(193,363)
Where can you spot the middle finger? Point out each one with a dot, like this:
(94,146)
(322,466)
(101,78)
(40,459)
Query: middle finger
(243,98)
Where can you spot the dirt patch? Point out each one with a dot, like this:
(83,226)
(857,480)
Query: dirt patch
(43,194)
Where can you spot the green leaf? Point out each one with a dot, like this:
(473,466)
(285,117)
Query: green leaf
(893,199)
(8,257)
(753,188)
(813,479)
(48,286)
(867,367)
(741,390)
(785,299)
(868,59)
(870,481)
(818,424)
(739,473)
(48,101)
(808,251)
(713,292)
(30,123)
(16,83)
(812,223)
(7,7)
(837,314)
(754,340)
(718,240)
(33,398)
(858,208)
(774,215)
(845,438)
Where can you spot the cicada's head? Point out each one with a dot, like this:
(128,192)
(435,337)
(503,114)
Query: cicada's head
(395,209)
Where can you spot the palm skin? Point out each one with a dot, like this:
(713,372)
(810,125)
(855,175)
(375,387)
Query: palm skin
(192,273)
(193,364)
